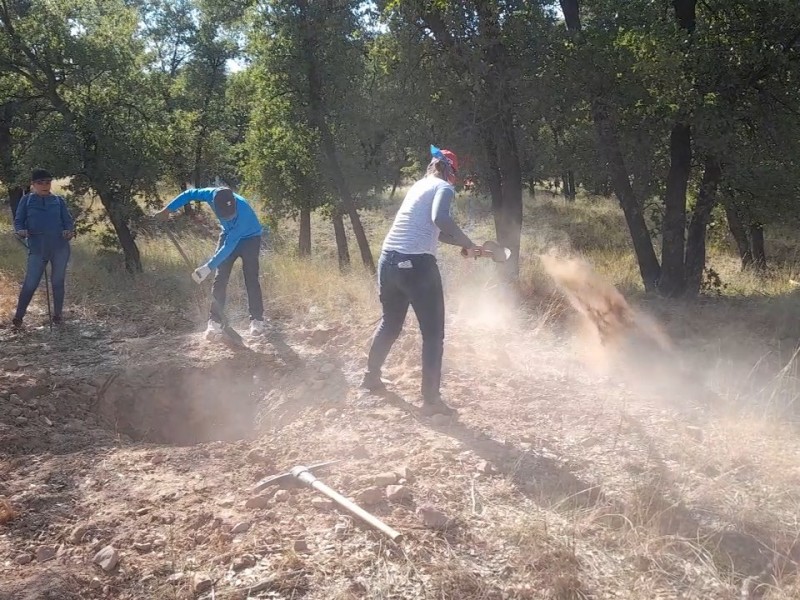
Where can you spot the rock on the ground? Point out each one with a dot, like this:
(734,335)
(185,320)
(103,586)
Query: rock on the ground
(398,493)
(45,553)
(201,582)
(331,413)
(322,503)
(282,496)
(107,558)
(244,562)
(261,501)
(387,478)
(23,559)
(405,473)
(484,466)
(78,532)
(241,527)
(432,517)
(143,547)
(369,496)
(300,546)
(255,457)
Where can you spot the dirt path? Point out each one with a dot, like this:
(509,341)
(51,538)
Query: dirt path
(553,483)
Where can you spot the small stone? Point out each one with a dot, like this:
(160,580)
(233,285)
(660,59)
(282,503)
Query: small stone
(405,473)
(107,558)
(387,478)
(47,422)
(78,532)
(244,562)
(255,457)
(261,501)
(300,546)
(201,583)
(398,493)
(16,399)
(241,527)
(143,511)
(15,411)
(95,584)
(23,559)
(331,413)
(21,420)
(369,496)
(282,496)
(143,547)
(432,517)
(484,466)
(322,504)
(45,553)
(157,459)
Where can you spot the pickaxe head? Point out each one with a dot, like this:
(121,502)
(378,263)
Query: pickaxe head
(291,478)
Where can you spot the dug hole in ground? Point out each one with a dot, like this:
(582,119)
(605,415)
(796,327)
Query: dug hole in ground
(594,456)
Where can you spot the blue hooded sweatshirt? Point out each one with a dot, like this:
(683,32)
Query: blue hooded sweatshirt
(45,218)
(243,225)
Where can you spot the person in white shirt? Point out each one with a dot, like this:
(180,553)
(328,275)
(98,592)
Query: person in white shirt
(408,275)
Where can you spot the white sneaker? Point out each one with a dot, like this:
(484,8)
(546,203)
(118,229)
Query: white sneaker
(213,330)
(256,327)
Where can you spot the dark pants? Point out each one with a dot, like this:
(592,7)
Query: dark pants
(248,249)
(58,257)
(421,287)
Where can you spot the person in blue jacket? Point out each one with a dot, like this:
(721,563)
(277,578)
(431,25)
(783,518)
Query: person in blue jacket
(43,219)
(240,238)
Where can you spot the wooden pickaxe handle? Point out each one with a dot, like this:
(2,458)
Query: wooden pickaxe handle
(350,506)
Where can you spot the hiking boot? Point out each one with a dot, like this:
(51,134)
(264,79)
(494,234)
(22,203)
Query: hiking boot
(16,323)
(437,407)
(257,327)
(214,330)
(373,383)
(59,320)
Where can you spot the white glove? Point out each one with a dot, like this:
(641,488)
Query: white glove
(200,273)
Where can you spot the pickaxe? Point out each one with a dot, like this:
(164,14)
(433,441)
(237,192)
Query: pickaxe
(304,475)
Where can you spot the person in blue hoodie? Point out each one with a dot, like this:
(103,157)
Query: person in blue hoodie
(43,219)
(240,238)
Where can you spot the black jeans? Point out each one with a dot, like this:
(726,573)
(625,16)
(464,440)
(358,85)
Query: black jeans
(414,280)
(248,250)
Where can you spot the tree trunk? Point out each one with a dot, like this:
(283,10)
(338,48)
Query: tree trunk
(318,120)
(673,275)
(631,207)
(133,259)
(757,246)
(188,209)
(573,194)
(304,247)
(341,240)
(696,239)
(15,194)
(608,140)
(395,183)
(739,233)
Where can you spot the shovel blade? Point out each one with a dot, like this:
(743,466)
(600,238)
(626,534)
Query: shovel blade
(495,251)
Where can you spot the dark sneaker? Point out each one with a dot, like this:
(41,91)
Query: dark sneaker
(373,383)
(16,323)
(59,320)
(437,407)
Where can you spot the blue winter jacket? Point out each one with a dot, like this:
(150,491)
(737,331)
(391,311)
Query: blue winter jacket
(243,225)
(45,218)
